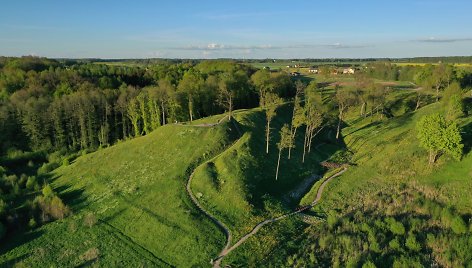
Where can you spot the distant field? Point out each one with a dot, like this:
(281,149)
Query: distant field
(423,64)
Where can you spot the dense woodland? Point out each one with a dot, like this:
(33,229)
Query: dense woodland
(54,110)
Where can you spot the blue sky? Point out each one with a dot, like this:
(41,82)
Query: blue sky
(237,29)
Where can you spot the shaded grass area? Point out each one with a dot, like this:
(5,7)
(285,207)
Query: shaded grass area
(136,190)
(239,186)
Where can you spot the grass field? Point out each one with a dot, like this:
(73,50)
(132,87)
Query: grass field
(136,191)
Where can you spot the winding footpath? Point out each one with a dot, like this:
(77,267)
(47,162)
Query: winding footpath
(228,248)
(319,193)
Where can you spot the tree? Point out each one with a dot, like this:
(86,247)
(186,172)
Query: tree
(298,115)
(439,136)
(261,80)
(285,142)
(164,95)
(134,114)
(343,100)
(272,101)
(226,92)
(190,85)
(452,101)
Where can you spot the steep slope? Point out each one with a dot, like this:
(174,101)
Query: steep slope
(136,191)
(391,208)
(239,186)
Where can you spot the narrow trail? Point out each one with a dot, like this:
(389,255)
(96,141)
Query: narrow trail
(228,248)
(194,200)
(319,193)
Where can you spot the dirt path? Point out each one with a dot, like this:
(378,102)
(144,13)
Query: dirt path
(228,248)
(319,193)
(194,200)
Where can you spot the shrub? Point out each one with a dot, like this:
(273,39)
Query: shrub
(332,220)
(412,243)
(394,244)
(2,171)
(369,264)
(90,254)
(32,223)
(396,227)
(47,167)
(65,162)
(90,220)
(31,183)
(47,191)
(458,225)
(57,208)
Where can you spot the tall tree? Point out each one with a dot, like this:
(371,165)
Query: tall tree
(343,100)
(285,142)
(272,101)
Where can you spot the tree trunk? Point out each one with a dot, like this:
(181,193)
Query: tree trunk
(190,108)
(230,107)
(437,93)
(309,139)
(339,127)
(417,104)
(163,114)
(293,138)
(267,136)
(304,147)
(278,164)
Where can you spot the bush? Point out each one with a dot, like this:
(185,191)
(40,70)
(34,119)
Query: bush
(90,220)
(394,244)
(31,183)
(47,191)
(332,220)
(396,227)
(369,264)
(412,243)
(65,162)
(90,254)
(47,167)
(32,223)
(458,225)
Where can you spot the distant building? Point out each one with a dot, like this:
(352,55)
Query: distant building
(295,74)
(349,71)
(313,71)
(266,68)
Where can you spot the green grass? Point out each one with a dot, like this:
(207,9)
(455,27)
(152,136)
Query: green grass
(387,151)
(239,186)
(137,191)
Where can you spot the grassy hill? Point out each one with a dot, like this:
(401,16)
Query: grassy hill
(136,192)
(239,185)
(391,208)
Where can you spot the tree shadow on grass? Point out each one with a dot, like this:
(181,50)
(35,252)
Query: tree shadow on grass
(259,172)
(17,238)
(467,137)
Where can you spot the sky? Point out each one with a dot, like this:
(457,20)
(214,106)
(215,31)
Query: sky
(235,29)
